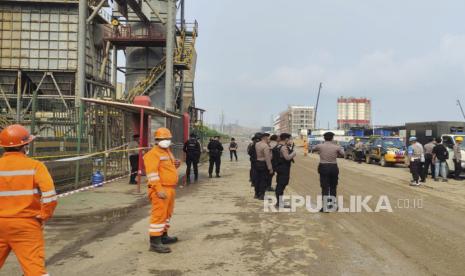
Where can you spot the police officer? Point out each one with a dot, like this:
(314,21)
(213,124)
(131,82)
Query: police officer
(415,153)
(263,166)
(359,147)
(458,157)
(253,157)
(273,143)
(215,150)
(429,159)
(329,171)
(283,168)
(193,151)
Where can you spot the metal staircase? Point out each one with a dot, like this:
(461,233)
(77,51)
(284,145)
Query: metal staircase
(146,84)
(186,46)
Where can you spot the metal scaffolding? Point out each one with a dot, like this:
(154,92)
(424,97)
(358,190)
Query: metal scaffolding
(55,53)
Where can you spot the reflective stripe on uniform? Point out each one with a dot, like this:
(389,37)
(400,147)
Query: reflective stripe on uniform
(19,192)
(157,227)
(49,193)
(17,173)
(163,158)
(153,176)
(49,199)
(157,230)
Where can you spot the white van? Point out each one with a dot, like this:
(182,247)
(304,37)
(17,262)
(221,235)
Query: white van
(449,141)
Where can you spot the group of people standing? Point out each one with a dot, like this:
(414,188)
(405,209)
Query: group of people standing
(270,155)
(434,156)
(193,151)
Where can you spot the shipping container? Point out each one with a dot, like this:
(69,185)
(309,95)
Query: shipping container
(425,131)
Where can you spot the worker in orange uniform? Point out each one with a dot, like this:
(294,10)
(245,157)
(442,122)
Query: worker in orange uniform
(161,169)
(305,146)
(27,200)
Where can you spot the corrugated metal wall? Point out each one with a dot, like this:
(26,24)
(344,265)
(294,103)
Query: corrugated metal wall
(38,37)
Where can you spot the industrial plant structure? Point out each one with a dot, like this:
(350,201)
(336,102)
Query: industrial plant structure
(58,77)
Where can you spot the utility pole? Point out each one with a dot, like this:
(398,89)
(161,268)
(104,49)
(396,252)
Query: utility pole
(170,36)
(317,102)
(461,108)
(222,122)
(18,97)
(81,78)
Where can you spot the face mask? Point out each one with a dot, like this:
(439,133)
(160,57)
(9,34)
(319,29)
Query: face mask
(26,150)
(164,144)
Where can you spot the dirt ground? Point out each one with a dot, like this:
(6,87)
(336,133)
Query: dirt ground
(224,231)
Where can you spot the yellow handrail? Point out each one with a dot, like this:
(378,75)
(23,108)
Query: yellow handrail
(142,85)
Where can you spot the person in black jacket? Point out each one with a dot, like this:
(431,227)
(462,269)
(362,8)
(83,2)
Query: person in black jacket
(193,151)
(440,157)
(215,150)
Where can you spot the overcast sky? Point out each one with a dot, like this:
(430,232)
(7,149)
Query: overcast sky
(257,56)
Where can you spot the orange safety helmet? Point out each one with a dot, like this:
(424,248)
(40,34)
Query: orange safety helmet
(163,133)
(15,136)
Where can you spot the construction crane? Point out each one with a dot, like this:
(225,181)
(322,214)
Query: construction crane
(461,108)
(317,102)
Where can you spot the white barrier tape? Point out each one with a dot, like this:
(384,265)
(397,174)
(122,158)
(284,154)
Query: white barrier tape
(93,186)
(72,157)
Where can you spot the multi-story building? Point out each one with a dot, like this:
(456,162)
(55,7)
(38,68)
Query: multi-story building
(353,112)
(295,119)
(281,122)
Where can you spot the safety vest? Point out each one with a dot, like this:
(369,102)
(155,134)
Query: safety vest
(160,168)
(26,188)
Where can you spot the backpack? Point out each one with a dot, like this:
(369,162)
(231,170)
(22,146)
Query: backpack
(276,159)
(252,152)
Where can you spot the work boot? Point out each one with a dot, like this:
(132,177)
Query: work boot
(218,176)
(165,239)
(270,189)
(436,179)
(210,176)
(156,245)
(445,180)
(196,178)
